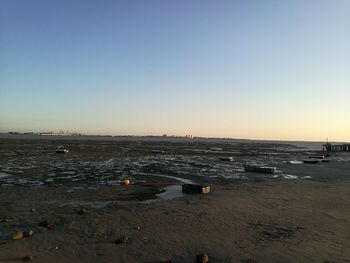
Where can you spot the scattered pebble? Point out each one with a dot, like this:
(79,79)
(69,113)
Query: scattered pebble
(138,228)
(28,233)
(126,182)
(3,220)
(17,235)
(47,224)
(33,210)
(82,211)
(28,258)
(122,240)
(203,258)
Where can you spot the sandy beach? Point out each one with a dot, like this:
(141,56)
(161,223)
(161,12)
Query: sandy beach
(300,214)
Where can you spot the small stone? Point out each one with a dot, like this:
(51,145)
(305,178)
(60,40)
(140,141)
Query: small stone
(126,182)
(17,236)
(33,210)
(203,258)
(47,224)
(28,258)
(138,228)
(122,240)
(3,220)
(82,211)
(28,233)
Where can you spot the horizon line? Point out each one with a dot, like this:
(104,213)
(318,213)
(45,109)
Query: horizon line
(189,137)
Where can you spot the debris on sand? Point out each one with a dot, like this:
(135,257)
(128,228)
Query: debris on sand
(82,211)
(122,240)
(203,258)
(256,168)
(61,149)
(3,220)
(228,159)
(317,157)
(17,235)
(28,258)
(195,188)
(28,233)
(311,161)
(47,224)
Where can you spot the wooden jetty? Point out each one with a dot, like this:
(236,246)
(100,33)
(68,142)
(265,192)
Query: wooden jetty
(336,147)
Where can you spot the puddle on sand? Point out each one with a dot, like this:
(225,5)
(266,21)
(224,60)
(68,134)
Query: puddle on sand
(171,191)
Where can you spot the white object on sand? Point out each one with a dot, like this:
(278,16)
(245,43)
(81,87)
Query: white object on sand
(61,149)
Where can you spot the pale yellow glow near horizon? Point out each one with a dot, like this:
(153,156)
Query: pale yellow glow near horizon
(269,121)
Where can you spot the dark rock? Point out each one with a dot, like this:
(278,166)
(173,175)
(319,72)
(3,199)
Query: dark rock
(122,240)
(82,211)
(203,258)
(28,233)
(3,220)
(28,258)
(47,224)
(17,236)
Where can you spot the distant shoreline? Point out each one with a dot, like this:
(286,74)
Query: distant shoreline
(317,145)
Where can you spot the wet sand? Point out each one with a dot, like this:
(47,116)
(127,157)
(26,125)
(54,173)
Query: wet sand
(246,217)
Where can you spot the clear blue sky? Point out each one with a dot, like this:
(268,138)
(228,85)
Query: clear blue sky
(244,69)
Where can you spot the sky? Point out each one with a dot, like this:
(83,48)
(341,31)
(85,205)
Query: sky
(241,69)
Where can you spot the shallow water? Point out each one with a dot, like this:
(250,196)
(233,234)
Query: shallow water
(34,163)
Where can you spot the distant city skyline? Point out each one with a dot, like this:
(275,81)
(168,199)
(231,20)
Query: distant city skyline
(270,70)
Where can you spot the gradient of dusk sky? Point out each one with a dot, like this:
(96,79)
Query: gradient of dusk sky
(240,69)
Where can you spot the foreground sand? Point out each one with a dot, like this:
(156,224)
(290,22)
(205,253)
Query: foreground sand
(238,222)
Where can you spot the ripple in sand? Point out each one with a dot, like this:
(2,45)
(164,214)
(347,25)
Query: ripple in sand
(3,175)
(95,204)
(171,192)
